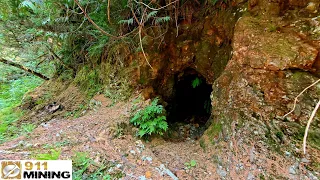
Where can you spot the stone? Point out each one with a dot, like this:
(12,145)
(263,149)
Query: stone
(221,172)
(305,160)
(132,152)
(312,7)
(288,154)
(293,169)
(180,173)
(250,176)
(274,51)
(148,174)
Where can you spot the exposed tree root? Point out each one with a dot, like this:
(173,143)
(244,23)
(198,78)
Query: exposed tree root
(311,117)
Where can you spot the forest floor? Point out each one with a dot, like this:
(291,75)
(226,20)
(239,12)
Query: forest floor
(103,136)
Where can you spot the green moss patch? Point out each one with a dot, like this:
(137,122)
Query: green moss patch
(11,94)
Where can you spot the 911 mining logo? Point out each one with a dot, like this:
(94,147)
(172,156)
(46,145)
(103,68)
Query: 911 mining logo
(27,169)
(11,170)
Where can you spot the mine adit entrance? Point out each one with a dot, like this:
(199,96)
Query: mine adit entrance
(190,106)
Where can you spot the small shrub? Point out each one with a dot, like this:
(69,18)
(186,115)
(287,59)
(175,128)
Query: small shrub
(150,120)
(27,128)
(85,168)
(88,80)
(190,164)
(279,135)
(54,155)
(78,112)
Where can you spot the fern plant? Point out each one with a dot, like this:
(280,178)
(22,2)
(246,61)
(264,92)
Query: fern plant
(150,120)
(196,82)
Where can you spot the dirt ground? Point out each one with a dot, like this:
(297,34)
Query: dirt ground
(97,133)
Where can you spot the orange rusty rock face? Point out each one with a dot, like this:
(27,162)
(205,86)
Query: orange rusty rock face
(204,47)
(210,32)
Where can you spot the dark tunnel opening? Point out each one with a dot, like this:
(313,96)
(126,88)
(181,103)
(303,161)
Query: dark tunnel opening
(190,106)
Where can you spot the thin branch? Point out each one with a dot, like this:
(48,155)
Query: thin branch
(155,9)
(23,68)
(141,23)
(308,126)
(109,19)
(176,18)
(92,22)
(98,27)
(144,54)
(41,60)
(296,99)
(59,59)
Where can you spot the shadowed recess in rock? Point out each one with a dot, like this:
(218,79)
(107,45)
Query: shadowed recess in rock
(191,99)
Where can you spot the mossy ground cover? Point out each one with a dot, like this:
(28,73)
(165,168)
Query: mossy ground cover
(11,94)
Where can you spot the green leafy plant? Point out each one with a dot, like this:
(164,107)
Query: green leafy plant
(128,22)
(11,95)
(27,128)
(53,155)
(150,120)
(81,163)
(196,82)
(190,164)
(78,112)
(164,19)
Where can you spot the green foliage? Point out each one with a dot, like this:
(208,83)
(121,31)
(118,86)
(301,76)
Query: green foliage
(117,84)
(190,164)
(78,112)
(57,144)
(152,14)
(215,130)
(88,80)
(27,128)
(11,94)
(279,135)
(150,120)
(272,28)
(53,155)
(164,19)
(81,163)
(128,22)
(196,82)
(202,144)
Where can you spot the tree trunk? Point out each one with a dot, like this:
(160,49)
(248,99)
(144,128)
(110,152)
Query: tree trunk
(23,68)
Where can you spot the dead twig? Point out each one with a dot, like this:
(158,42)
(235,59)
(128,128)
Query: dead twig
(308,126)
(144,54)
(92,22)
(109,19)
(98,27)
(60,60)
(155,9)
(141,24)
(311,117)
(296,99)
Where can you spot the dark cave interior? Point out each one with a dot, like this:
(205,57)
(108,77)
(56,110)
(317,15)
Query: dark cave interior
(191,102)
